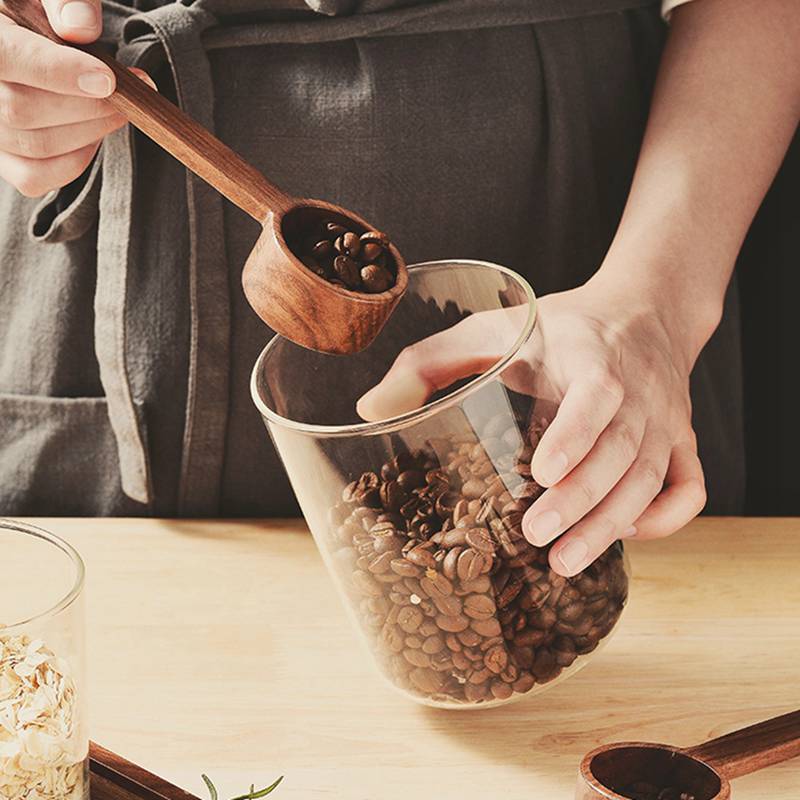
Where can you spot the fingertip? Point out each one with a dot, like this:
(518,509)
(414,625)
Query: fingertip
(570,557)
(97,83)
(78,21)
(682,499)
(538,476)
(558,568)
(541,527)
(393,396)
(527,519)
(549,468)
(143,76)
(365,406)
(694,493)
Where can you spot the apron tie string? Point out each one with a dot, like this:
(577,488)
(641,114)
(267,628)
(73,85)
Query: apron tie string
(175,30)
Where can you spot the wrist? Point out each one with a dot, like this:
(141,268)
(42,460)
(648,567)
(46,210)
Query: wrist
(666,290)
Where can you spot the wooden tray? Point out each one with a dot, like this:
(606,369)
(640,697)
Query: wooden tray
(114,778)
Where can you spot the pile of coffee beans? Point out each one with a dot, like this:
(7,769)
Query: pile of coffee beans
(360,263)
(458,606)
(642,790)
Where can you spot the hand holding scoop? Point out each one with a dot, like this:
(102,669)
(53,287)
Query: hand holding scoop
(284,292)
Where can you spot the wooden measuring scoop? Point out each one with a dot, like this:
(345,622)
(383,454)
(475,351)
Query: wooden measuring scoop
(702,772)
(287,295)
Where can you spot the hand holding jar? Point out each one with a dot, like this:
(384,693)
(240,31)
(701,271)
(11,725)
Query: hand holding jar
(620,457)
(420,516)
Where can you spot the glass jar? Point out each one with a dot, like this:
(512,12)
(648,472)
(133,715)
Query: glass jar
(418,517)
(44,742)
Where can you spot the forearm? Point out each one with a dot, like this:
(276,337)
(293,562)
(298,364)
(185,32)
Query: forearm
(725,108)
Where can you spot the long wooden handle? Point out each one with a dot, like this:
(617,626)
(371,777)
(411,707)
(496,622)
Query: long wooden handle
(167,125)
(116,778)
(753,748)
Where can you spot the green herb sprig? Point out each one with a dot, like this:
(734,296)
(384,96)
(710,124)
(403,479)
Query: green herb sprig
(251,795)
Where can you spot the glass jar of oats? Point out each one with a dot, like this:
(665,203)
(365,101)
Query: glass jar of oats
(44,741)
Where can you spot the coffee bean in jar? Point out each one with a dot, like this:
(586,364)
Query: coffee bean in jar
(458,606)
(360,262)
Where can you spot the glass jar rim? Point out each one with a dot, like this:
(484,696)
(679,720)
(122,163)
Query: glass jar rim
(400,421)
(26,529)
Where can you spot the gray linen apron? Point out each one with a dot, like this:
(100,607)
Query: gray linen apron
(125,340)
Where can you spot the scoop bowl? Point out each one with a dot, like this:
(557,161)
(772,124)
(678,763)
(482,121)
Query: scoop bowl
(299,304)
(702,772)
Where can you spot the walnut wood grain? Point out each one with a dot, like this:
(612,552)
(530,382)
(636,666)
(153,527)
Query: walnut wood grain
(290,298)
(753,748)
(304,307)
(115,778)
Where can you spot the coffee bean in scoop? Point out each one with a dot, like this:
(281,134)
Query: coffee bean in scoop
(346,270)
(360,263)
(375,278)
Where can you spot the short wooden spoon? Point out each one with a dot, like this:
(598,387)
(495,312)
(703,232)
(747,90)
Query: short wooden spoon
(703,772)
(287,295)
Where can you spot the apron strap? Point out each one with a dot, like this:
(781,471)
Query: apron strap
(111,296)
(178,28)
(173,32)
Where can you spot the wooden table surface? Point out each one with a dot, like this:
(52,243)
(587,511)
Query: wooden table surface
(221,647)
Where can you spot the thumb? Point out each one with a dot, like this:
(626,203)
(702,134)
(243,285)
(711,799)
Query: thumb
(79,21)
(467,348)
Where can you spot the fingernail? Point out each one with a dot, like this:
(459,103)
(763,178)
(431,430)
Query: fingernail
(543,527)
(77,14)
(553,468)
(96,84)
(628,532)
(573,556)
